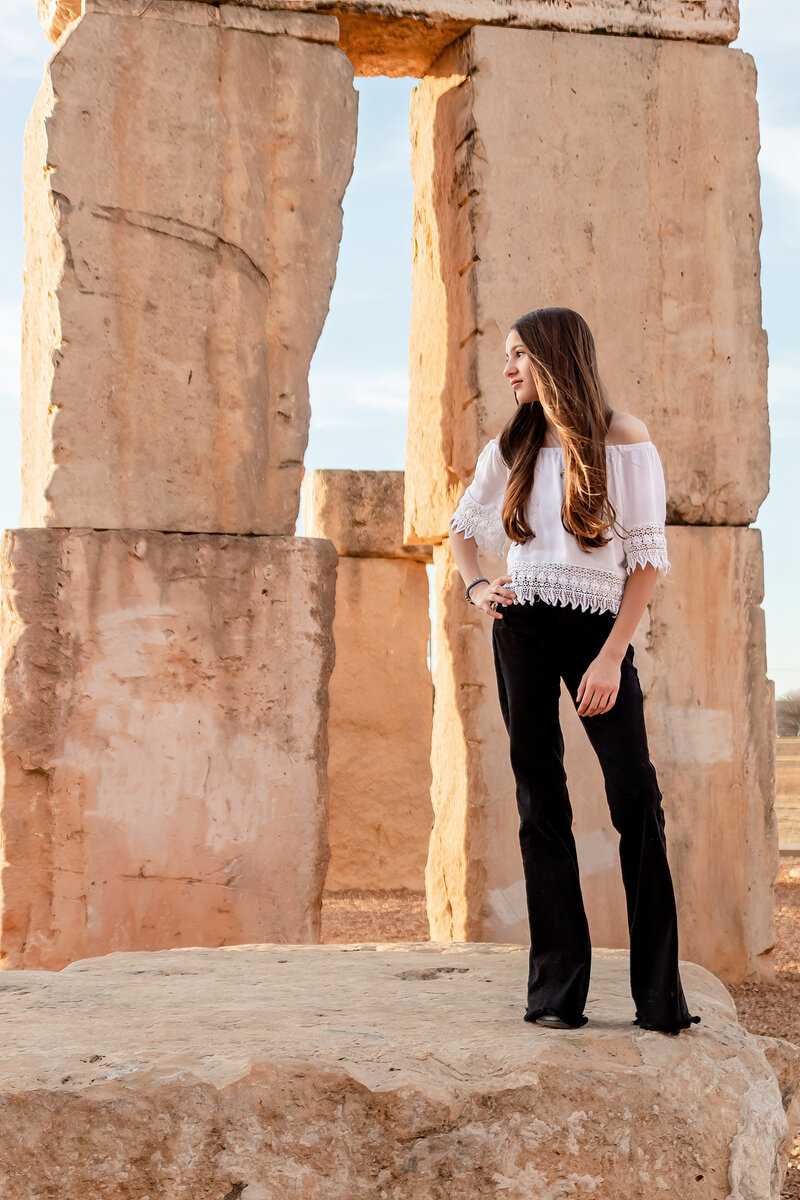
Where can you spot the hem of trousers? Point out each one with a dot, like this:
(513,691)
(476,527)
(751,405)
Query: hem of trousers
(576,1022)
(682,1024)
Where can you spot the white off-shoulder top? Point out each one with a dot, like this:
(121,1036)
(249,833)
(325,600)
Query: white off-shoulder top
(552,565)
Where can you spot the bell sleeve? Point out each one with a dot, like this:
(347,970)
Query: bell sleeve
(644,508)
(479,511)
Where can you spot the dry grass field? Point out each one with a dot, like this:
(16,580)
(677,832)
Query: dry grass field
(787,790)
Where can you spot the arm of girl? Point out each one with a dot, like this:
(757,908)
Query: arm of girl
(478,522)
(643,504)
(599,686)
(483,595)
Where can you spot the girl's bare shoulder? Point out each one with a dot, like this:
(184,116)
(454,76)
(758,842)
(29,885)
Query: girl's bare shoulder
(626,429)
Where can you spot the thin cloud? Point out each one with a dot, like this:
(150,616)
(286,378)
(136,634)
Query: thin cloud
(24,46)
(779,156)
(784,382)
(783,398)
(10,326)
(340,397)
(773,26)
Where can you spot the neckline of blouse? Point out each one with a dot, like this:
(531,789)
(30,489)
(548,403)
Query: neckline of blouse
(609,446)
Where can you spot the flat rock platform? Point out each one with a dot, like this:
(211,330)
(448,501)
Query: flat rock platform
(388,1071)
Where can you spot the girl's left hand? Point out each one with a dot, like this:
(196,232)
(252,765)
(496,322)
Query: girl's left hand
(599,686)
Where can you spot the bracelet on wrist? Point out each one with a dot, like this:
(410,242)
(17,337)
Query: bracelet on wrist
(471,586)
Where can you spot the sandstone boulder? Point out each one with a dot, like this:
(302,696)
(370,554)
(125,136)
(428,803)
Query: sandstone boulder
(164,741)
(358,1071)
(631,194)
(183,183)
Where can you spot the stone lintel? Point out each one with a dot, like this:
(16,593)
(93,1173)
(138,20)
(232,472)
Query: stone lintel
(308,26)
(403,37)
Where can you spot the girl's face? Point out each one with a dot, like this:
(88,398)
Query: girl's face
(519,369)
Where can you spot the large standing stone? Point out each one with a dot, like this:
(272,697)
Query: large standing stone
(381,705)
(617,176)
(700,652)
(381,693)
(164,741)
(183,186)
(355,1072)
(470,767)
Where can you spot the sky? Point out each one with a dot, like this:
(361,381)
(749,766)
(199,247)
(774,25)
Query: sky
(359,373)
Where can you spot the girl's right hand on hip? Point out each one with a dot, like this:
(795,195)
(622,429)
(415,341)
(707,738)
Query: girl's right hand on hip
(494,596)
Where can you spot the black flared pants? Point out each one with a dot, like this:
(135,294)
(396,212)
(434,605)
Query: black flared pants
(536,645)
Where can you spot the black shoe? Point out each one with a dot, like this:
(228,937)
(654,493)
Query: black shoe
(674,1029)
(553,1021)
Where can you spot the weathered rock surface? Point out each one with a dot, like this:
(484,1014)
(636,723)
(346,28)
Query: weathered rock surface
(403,37)
(632,196)
(361,512)
(379,728)
(712,727)
(367,1070)
(700,651)
(164,741)
(183,186)
(470,771)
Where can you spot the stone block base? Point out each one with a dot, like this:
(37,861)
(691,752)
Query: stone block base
(370,1070)
(380,726)
(381,691)
(164,740)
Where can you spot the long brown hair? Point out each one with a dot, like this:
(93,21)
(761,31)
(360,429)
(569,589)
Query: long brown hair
(561,349)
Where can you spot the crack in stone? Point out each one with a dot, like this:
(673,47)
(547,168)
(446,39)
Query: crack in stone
(464,341)
(475,259)
(179,879)
(175,227)
(168,227)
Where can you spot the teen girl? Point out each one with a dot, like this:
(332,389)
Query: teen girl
(579,490)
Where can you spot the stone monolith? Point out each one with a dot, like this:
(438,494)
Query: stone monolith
(617,176)
(164,741)
(379,728)
(183,187)
(381,697)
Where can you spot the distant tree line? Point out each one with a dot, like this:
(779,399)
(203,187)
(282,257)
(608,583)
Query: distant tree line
(787,714)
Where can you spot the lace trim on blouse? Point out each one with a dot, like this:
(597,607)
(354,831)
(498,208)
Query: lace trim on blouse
(484,522)
(646,544)
(565,584)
